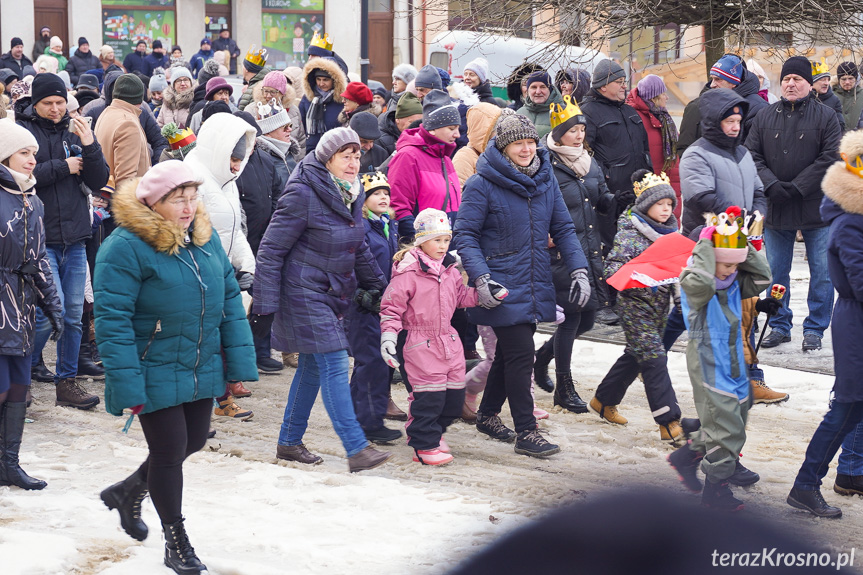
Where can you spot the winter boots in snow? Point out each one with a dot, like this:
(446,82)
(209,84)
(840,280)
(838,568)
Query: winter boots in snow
(179,553)
(544,355)
(126,497)
(492,426)
(368,458)
(297,453)
(41,373)
(71,394)
(432,456)
(607,412)
(291,360)
(229,408)
(848,484)
(11,430)
(813,502)
(742,476)
(532,443)
(565,395)
(237,389)
(468,410)
(393,412)
(383,435)
(672,432)
(685,462)
(86,366)
(718,496)
(763,394)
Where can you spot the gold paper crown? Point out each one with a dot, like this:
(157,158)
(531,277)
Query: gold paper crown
(821,68)
(649,181)
(564,113)
(258,58)
(735,227)
(323,43)
(374,181)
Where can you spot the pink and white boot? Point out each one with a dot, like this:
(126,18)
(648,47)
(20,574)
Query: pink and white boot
(432,457)
(444,446)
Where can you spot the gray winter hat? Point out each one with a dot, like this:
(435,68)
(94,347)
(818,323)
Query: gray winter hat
(332,141)
(513,128)
(606,72)
(365,124)
(439,111)
(428,77)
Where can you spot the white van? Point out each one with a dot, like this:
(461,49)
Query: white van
(453,49)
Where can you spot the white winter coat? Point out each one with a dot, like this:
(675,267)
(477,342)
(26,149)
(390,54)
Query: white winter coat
(211,159)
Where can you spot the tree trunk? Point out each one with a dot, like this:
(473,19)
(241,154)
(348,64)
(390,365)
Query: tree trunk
(714,44)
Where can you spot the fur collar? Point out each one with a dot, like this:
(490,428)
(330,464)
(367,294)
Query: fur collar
(152,228)
(177,101)
(339,80)
(840,185)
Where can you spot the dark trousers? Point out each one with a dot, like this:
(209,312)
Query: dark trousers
(574,324)
(370,388)
(467,331)
(840,420)
(674,328)
(262,347)
(657,386)
(172,434)
(510,376)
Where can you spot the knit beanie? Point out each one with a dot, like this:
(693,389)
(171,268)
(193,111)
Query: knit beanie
(650,87)
(729,68)
(162,178)
(332,141)
(657,188)
(46,85)
(848,69)
(439,111)
(157,45)
(271,116)
(444,78)
(71,103)
(178,72)
(359,93)
(513,128)
(82,42)
(820,70)
(254,61)
(67,80)
(129,88)
(55,42)
(539,76)
(404,72)
(606,72)
(215,85)
(429,224)
(17,42)
(428,77)
(797,65)
(365,124)
(277,81)
(13,138)
(214,107)
(157,83)
(181,141)
(478,66)
(239,151)
(409,105)
(204,41)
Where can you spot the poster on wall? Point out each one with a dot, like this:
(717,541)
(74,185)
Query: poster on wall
(162,3)
(287,36)
(122,29)
(293,4)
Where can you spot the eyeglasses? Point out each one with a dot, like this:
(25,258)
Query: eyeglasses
(270,92)
(178,202)
(620,82)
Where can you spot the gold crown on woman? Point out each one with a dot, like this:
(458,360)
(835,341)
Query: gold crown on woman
(560,113)
(649,181)
(319,42)
(735,227)
(258,58)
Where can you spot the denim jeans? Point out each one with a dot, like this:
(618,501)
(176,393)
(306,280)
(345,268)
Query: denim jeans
(69,268)
(840,421)
(851,456)
(780,251)
(329,373)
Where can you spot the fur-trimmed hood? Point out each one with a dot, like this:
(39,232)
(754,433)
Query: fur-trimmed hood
(153,229)
(340,82)
(288,100)
(177,100)
(842,186)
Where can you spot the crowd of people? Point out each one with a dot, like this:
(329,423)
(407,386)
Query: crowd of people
(398,227)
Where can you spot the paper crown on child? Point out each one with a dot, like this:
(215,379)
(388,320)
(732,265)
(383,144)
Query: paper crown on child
(429,224)
(562,113)
(322,42)
(374,181)
(182,140)
(648,181)
(258,58)
(735,228)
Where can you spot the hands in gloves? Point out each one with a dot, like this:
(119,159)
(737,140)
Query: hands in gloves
(261,324)
(369,300)
(768,305)
(388,348)
(490,292)
(707,233)
(56,319)
(245,279)
(579,289)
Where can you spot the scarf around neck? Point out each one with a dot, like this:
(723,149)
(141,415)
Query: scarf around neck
(315,115)
(529,170)
(433,264)
(24,183)
(349,191)
(576,158)
(726,283)
(669,134)
(650,228)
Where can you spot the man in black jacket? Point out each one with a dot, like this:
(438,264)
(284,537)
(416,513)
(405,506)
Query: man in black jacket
(793,142)
(137,61)
(68,159)
(82,61)
(225,42)
(15,59)
(157,58)
(822,89)
(618,139)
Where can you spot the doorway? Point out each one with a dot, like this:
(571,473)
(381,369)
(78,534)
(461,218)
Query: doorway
(381,41)
(55,15)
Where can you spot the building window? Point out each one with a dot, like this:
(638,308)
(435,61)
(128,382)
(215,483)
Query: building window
(125,22)
(287,28)
(514,18)
(648,46)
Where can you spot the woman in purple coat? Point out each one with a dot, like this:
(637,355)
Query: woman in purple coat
(309,262)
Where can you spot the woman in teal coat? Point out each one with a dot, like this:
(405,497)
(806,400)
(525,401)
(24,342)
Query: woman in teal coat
(171,330)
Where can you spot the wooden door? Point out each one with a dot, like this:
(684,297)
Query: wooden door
(55,15)
(381,47)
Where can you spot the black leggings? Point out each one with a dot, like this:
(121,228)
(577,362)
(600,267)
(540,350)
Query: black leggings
(509,376)
(574,325)
(172,434)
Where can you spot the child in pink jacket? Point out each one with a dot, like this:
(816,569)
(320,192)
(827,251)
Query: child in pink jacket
(425,290)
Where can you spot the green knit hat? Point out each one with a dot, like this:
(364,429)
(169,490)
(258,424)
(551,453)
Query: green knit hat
(409,105)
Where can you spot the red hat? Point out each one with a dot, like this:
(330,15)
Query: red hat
(359,93)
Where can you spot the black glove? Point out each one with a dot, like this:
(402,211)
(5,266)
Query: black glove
(261,324)
(768,305)
(56,319)
(781,191)
(368,300)
(625,198)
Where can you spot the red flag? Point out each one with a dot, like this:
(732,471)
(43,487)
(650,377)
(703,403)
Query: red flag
(660,264)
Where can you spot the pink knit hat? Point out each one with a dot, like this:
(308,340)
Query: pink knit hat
(276,81)
(162,178)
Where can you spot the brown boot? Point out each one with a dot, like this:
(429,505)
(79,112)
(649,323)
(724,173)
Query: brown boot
(229,408)
(297,453)
(368,458)
(763,394)
(393,411)
(467,414)
(291,359)
(607,412)
(71,394)
(672,433)
(237,389)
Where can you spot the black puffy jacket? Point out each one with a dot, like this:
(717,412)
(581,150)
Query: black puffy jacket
(67,211)
(389,131)
(80,63)
(831,100)
(794,142)
(260,188)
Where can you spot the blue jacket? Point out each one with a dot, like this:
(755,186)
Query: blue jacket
(502,229)
(135,62)
(154,61)
(309,262)
(197,61)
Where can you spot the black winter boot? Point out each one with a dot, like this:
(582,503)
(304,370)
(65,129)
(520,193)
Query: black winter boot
(41,373)
(11,430)
(179,553)
(544,355)
(126,497)
(685,462)
(86,366)
(718,496)
(743,476)
(566,396)
(813,502)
